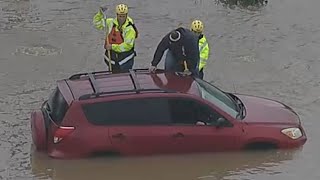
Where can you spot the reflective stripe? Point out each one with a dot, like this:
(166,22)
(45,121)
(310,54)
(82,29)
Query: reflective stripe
(203,46)
(203,60)
(129,40)
(122,61)
(100,22)
(126,59)
(126,29)
(122,48)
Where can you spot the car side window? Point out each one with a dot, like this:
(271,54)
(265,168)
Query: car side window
(207,115)
(182,111)
(190,112)
(146,111)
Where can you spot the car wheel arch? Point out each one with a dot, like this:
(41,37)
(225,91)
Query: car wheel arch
(261,144)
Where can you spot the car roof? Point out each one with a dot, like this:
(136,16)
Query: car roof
(90,85)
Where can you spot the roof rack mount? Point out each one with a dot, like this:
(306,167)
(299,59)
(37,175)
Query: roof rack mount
(132,74)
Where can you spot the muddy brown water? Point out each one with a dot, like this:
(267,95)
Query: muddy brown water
(271,51)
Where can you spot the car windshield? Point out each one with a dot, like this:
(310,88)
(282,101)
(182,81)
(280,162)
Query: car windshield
(217,97)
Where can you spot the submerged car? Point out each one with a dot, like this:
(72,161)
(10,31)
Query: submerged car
(142,113)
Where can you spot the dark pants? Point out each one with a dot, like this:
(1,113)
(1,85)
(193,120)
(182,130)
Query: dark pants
(201,74)
(123,68)
(116,68)
(172,64)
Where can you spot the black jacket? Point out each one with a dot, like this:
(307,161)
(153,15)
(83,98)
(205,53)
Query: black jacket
(186,49)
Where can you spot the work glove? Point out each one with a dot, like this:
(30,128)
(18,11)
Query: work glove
(152,69)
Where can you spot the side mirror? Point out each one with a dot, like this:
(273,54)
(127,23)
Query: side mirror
(221,122)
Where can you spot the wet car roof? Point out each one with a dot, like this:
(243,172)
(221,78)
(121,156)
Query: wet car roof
(106,82)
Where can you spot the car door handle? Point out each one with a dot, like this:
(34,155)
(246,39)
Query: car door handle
(178,135)
(119,136)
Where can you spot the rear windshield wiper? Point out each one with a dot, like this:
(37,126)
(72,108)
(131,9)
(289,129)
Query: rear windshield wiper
(46,108)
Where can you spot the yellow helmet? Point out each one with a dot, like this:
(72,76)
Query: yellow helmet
(197,26)
(122,9)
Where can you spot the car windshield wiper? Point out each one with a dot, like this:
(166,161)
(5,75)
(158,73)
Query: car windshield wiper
(236,101)
(239,115)
(241,109)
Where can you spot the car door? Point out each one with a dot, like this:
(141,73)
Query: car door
(195,128)
(140,126)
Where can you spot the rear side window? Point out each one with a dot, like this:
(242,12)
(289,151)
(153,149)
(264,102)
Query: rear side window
(57,106)
(150,111)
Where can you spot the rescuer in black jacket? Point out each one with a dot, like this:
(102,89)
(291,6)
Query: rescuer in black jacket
(182,45)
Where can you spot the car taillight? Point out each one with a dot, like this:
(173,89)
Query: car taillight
(61,133)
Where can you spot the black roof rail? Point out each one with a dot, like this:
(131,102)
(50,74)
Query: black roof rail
(134,80)
(142,70)
(94,95)
(77,76)
(132,74)
(93,83)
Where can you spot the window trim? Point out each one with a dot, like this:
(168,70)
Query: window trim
(167,97)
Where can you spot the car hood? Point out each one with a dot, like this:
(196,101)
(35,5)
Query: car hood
(262,110)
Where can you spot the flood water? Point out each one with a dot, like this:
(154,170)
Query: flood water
(271,51)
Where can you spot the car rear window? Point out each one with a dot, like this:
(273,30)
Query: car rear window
(57,106)
(149,111)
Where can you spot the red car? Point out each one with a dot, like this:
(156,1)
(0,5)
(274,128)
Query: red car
(142,113)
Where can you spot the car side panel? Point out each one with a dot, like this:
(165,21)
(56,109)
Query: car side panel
(85,140)
(203,138)
(142,140)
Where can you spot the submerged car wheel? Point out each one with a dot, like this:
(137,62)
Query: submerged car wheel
(258,146)
(39,130)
